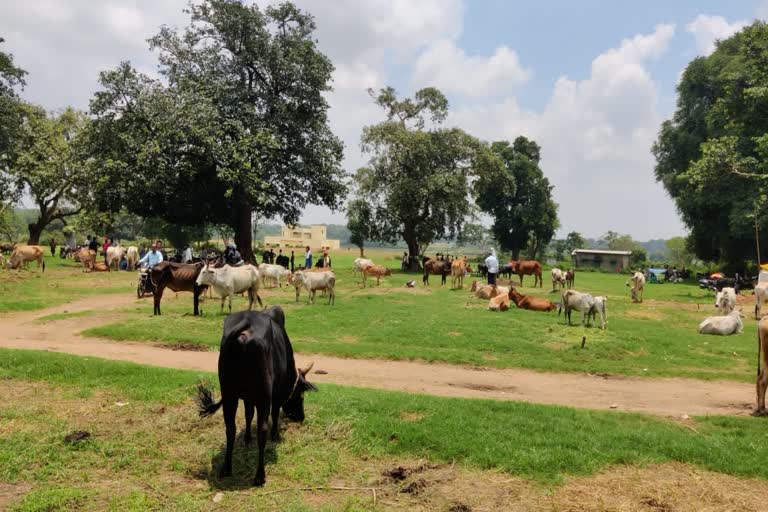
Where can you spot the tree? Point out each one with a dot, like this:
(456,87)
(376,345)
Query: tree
(359,223)
(44,163)
(475,235)
(519,198)
(618,242)
(238,125)
(573,241)
(417,178)
(11,77)
(711,155)
(677,248)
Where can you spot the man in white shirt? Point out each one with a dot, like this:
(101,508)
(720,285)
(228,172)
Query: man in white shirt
(186,256)
(152,258)
(493,266)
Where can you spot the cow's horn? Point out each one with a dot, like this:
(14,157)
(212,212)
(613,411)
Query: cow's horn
(305,371)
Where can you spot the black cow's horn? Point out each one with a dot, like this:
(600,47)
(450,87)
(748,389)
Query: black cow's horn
(306,371)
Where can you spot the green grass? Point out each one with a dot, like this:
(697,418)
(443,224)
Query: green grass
(62,281)
(53,317)
(538,442)
(656,338)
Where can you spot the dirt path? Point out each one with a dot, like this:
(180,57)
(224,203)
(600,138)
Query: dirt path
(666,397)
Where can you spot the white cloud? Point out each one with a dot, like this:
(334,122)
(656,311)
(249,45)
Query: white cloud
(708,29)
(596,136)
(447,67)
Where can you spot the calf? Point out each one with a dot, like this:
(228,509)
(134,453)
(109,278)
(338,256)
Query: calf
(725,300)
(599,307)
(114,256)
(313,282)
(723,325)
(558,278)
(360,264)
(458,269)
(256,365)
(227,281)
(377,271)
(570,278)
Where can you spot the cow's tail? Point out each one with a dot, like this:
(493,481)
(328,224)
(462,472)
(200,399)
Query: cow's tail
(559,308)
(204,400)
(43,264)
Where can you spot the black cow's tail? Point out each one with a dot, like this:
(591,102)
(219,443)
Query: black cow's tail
(204,400)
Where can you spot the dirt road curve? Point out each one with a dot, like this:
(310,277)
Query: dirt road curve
(665,397)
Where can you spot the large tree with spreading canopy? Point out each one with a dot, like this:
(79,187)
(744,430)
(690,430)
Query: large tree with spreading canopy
(712,155)
(238,124)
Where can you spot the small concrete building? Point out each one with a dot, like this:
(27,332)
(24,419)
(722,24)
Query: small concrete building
(602,259)
(313,236)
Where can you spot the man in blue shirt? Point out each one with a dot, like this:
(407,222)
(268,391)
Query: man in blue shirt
(152,258)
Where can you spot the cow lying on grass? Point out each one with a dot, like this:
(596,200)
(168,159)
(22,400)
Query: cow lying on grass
(723,325)
(256,365)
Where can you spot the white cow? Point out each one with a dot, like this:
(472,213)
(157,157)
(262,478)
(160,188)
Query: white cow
(115,256)
(360,264)
(599,307)
(582,302)
(725,300)
(638,283)
(761,297)
(227,281)
(313,281)
(132,255)
(273,273)
(558,277)
(723,325)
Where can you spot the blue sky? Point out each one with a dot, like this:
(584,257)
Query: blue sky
(590,80)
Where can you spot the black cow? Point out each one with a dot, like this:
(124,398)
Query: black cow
(256,365)
(283,261)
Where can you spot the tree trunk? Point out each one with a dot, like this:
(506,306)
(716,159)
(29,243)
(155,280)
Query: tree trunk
(362,254)
(516,253)
(414,265)
(35,230)
(243,233)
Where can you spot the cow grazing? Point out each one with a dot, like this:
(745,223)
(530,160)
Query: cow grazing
(637,282)
(273,273)
(723,325)
(179,277)
(377,271)
(227,281)
(132,256)
(526,268)
(762,372)
(313,282)
(435,267)
(599,307)
(761,297)
(458,269)
(570,278)
(256,365)
(725,300)
(23,254)
(360,264)
(530,302)
(558,278)
(582,302)
(115,256)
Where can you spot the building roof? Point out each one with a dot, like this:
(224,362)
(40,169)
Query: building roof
(600,251)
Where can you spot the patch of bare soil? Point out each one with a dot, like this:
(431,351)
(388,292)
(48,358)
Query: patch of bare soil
(193,347)
(11,493)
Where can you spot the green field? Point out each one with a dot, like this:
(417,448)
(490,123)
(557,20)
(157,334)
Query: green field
(158,449)
(656,338)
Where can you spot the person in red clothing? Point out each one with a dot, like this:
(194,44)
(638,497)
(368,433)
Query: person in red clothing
(104,248)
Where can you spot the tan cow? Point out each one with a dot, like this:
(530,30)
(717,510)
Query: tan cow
(458,269)
(762,372)
(23,254)
(499,302)
(638,283)
(87,257)
(487,291)
(377,271)
(132,255)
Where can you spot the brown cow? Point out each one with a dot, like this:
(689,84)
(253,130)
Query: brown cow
(530,302)
(23,254)
(179,277)
(570,278)
(377,271)
(458,269)
(435,267)
(499,303)
(762,375)
(99,266)
(526,268)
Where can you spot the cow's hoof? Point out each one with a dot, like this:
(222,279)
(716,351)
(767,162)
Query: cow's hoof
(259,480)
(759,413)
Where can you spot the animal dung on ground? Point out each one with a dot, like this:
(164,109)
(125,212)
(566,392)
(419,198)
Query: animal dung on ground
(614,406)
(321,372)
(77,435)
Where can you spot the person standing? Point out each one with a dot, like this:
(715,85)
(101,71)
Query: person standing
(404,262)
(308,259)
(325,262)
(292,261)
(104,248)
(53,246)
(493,266)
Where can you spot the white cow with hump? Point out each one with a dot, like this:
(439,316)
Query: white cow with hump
(361,264)
(273,273)
(725,300)
(227,281)
(723,325)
